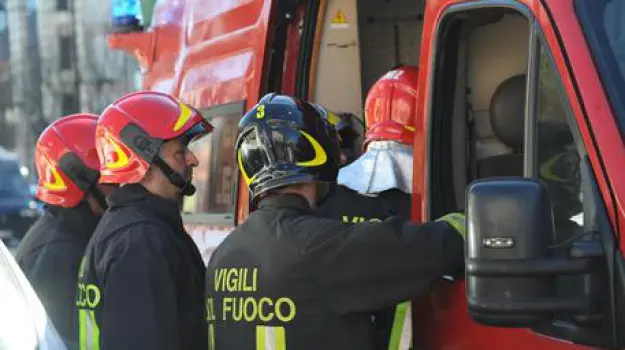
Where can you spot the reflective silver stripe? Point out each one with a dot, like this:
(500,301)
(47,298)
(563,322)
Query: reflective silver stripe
(401,333)
(211,337)
(270,338)
(89,331)
(406,333)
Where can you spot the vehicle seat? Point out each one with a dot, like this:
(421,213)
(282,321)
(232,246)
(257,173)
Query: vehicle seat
(507,117)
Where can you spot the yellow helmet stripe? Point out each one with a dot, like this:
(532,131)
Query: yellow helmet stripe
(320,154)
(246,178)
(183,117)
(122,157)
(57,183)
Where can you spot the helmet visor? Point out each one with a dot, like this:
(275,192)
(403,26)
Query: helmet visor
(196,132)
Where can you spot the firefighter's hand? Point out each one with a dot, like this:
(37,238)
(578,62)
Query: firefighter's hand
(456,220)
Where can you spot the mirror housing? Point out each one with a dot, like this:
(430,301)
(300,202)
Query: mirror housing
(510,267)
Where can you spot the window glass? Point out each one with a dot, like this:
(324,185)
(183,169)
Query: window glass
(65,52)
(602,22)
(216,175)
(557,154)
(61,5)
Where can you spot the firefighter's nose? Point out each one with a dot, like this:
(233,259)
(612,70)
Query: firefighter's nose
(192,159)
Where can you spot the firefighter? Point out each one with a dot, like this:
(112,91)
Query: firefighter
(67,168)
(141,280)
(379,183)
(286,279)
(348,136)
(384,171)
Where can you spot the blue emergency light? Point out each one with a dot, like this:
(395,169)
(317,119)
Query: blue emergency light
(126,15)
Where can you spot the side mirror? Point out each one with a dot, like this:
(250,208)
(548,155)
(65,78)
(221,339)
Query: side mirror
(511,269)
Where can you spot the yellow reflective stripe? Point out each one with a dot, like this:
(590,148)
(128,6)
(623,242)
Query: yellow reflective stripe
(320,154)
(89,334)
(260,338)
(211,337)
(456,223)
(270,338)
(82,322)
(456,220)
(96,331)
(546,169)
(401,334)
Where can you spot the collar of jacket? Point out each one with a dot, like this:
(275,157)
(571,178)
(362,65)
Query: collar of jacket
(80,218)
(285,201)
(137,195)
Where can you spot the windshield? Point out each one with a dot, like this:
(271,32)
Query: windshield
(604,26)
(12,183)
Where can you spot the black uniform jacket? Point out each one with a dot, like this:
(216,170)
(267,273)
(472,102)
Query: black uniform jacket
(286,278)
(352,207)
(141,285)
(50,255)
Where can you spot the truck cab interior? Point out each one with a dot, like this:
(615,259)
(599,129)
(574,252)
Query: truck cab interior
(481,84)
(359,42)
(352,43)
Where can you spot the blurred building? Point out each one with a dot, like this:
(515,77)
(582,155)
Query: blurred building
(6,130)
(79,71)
(21,113)
(54,60)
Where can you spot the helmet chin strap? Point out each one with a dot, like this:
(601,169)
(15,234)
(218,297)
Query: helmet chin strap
(185,185)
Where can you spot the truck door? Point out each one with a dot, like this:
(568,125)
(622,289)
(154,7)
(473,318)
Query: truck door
(500,101)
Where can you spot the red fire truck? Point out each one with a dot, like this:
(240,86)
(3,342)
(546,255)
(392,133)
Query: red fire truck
(533,90)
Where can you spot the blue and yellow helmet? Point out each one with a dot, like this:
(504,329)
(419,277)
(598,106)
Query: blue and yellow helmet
(283,141)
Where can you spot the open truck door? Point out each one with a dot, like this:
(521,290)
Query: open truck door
(524,133)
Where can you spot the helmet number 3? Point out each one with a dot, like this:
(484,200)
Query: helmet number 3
(260,112)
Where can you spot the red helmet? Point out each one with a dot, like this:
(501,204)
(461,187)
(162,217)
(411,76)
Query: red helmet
(132,129)
(390,106)
(66,160)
